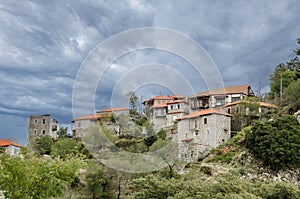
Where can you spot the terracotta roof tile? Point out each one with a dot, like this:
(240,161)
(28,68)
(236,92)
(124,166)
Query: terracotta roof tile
(163,105)
(112,109)
(176,102)
(187,139)
(205,112)
(89,117)
(225,90)
(5,143)
(263,104)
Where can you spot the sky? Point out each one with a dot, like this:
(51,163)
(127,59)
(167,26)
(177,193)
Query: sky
(45,44)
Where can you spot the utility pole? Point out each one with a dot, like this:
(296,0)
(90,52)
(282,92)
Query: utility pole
(280,88)
(259,90)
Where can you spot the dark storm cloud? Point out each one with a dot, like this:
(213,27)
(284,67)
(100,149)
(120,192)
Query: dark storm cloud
(43,43)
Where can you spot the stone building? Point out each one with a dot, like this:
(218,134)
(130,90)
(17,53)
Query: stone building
(41,125)
(102,117)
(219,97)
(162,110)
(201,131)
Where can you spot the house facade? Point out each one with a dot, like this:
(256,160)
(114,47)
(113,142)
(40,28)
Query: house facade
(201,131)
(81,124)
(41,125)
(11,148)
(164,110)
(245,111)
(219,97)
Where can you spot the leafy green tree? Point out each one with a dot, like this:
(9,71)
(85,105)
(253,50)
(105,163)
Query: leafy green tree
(276,143)
(292,96)
(43,145)
(62,132)
(96,181)
(64,147)
(33,177)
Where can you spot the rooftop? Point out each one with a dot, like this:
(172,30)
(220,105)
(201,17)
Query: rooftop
(263,104)
(227,90)
(6,143)
(205,112)
(112,110)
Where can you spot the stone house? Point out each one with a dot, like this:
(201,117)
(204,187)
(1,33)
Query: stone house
(101,117)
(245,111)
(201,131)
(10,147)
(82,123)
(41,125)
(176,110)
(157,109)
(219,97)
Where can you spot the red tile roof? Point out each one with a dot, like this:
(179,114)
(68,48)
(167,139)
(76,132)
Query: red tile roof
(177,96)
(205,112)
(176,102)
(225,90)
(6,143)
(161,97)
(163,105)
(89,117)
(263,104)
(112,109)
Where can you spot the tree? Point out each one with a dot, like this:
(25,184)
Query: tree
(286,73)
(276,143)
(96,181)
(43,145)
(151,137)
(32,177)
(64,147)
(132,100)
(62,132)
(292,96)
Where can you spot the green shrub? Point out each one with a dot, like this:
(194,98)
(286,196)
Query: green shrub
(276,143)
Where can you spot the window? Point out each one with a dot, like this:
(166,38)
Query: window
(220,101)
(44,121)
(196,133)
(44,132)
(205,120)
(225,131)
(195,103)
(34,131)
(228,110)
(237,110)
(195,123)
(234,99)
(35,121)
(178,106)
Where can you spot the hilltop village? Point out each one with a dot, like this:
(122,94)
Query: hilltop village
(196,123)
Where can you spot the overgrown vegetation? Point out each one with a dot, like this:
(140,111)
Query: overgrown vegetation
(276,142)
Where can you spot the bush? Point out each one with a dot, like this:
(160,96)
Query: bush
(276,143)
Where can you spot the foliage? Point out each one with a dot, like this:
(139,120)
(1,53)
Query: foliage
(289,71)
(132,100)
(276,142)
(150,140)
(292,95)
(96,181)
(62,132)
(223,157)
(43,145)
(64,147)
(162,134)
(33,177)
(227,187)
(142,121)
